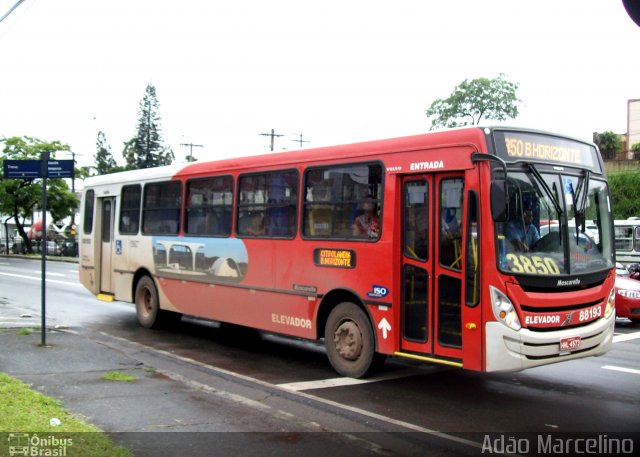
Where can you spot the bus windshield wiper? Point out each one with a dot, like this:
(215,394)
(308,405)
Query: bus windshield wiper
(580,204)
(583,190)
(576,211)
(534,171)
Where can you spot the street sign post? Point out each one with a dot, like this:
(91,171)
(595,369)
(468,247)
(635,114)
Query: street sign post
(33,169)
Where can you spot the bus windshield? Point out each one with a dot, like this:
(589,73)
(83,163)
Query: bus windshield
(557,224)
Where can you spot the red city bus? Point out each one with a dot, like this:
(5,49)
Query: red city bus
(464,247)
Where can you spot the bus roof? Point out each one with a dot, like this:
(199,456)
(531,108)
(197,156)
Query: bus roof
(470,135)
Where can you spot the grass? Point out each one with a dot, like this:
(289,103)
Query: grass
(24,332)
(119,376)
(25,411)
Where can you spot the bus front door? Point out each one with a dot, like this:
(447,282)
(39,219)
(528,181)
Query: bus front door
(107,213)
(432,266)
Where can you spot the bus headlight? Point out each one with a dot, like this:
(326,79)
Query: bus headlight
(611,303)
(503,309)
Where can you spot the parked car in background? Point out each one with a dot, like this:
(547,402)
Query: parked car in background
(621,270)
(53,248)
(69,248)
(628,298)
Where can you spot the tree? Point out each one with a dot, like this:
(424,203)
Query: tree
(148,150)
(609,143)
(103,159)
(129,153)
(19,197)
(636,151)
(471,101)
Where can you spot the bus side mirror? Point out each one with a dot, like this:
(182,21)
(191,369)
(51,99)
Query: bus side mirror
(633,9)
(499,200)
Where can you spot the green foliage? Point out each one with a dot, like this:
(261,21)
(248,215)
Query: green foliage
(20,197)
(609,144)
(624,194)
(636,151)
(146,149)
(474,100)
(26,411)
(103,159)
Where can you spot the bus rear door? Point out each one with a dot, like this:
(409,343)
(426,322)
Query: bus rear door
(432,269)
(107,211)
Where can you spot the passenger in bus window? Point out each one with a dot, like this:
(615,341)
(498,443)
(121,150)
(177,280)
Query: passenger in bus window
(523,237)
(450,224)
(367,225)
(255,226)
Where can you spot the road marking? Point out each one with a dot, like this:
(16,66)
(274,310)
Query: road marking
(626,337)
(352,409)
(40,279)
(339,382)
(622,369)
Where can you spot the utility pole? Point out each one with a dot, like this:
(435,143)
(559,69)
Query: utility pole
(273,134)
(191,146)
(300,140)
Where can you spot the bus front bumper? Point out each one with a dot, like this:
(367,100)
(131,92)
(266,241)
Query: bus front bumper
(510,350)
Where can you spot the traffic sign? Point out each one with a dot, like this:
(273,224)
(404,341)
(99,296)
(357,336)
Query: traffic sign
(60,169)
(22,169)
(31,169)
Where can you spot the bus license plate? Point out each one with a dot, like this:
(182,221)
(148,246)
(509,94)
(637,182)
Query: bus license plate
(570,344)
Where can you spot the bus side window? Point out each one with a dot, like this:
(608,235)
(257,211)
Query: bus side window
(343,202)
(89,203)
(208,207)
(161,208)
(267,204)
(472,290)
(130,209)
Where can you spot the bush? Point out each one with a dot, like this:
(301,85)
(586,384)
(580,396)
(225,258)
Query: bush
(624,194)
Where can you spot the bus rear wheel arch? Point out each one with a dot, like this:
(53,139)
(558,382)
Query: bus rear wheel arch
(350,342)
(148,306)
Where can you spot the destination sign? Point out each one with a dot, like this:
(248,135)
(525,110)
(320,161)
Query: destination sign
(336,258)
(516,146)
(32,169)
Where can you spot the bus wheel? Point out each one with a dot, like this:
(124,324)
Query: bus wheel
(147,303)
(349,342)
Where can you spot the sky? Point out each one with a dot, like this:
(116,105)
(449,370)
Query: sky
(335,72)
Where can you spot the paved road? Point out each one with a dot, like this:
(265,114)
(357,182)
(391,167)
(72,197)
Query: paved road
(596,395)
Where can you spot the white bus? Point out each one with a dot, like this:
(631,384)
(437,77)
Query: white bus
(627,235)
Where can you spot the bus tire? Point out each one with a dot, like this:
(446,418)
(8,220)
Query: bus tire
(349,341)
(147,303)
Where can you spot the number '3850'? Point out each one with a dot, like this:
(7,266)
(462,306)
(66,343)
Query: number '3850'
(533,265)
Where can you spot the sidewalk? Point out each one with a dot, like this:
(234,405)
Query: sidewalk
(215,414)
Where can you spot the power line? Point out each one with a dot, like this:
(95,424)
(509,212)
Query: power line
(300,140)
(11,10)
(272,135)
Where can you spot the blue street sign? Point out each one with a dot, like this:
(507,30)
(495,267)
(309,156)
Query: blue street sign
(22,169)
(31,169)
(60,169)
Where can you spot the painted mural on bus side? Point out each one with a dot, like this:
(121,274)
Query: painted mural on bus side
(200,259)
